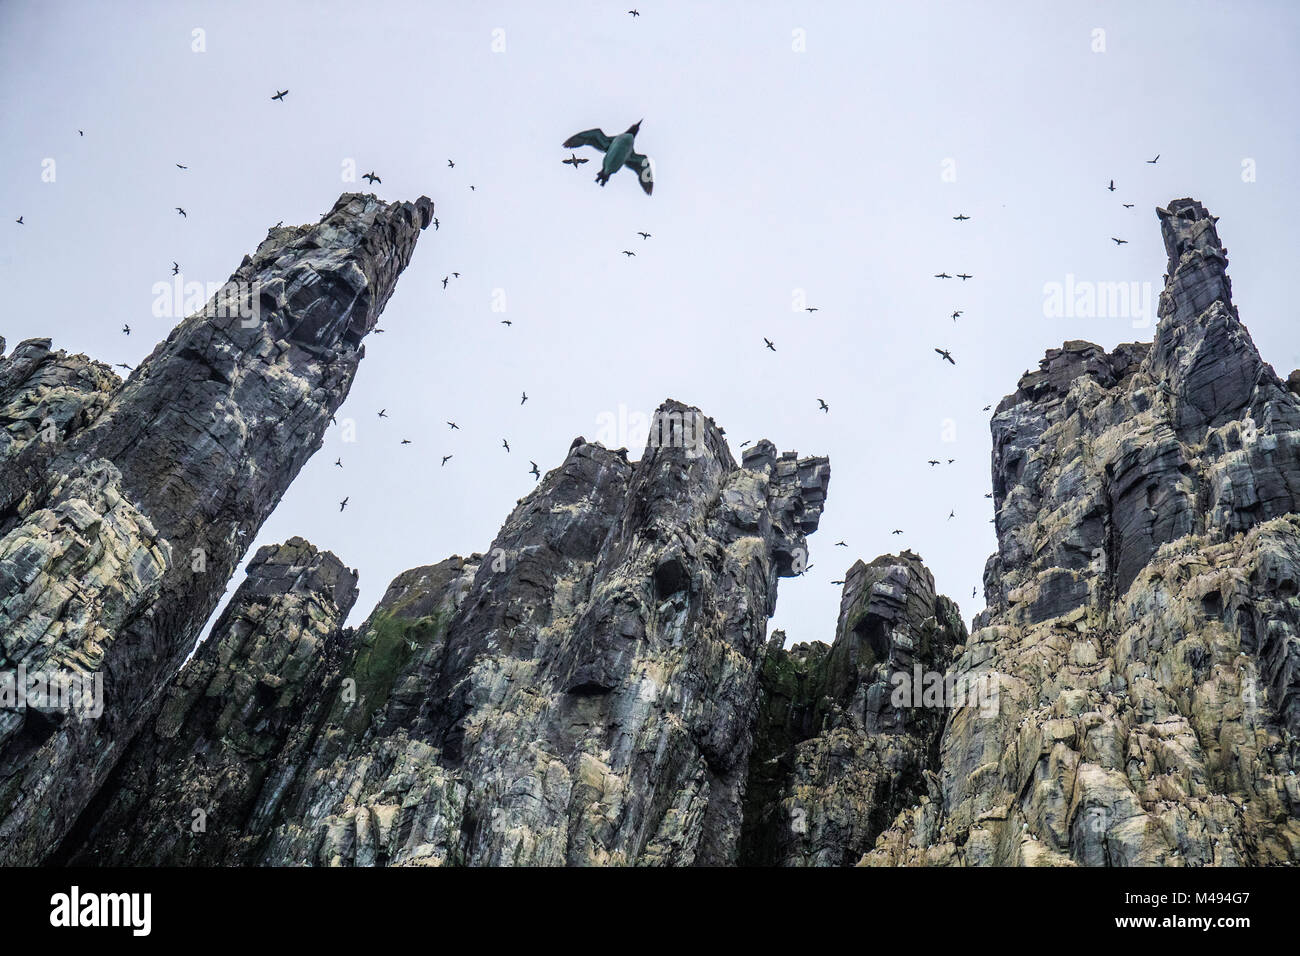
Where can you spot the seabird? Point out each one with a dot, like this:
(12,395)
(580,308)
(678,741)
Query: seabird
(963,276)
(1153,161)
(946,355)
(932,462)
(1118,242)
(635,13)
(179,166)
(454,425)
(841,544)
(506,322)
(626,253)
(897,531)
(986,408)
(435,224)
(1128,205)
(811,309)
(769,343)
(955,314)
(123,365)
(942,275)
(643,235)
(450,164)
(383,413)
(445,280)
(837,582)
(618,153)
(445,459)
(574,160)
(822,403)
(523,398)
(406,441)
(455,275)
(951,515)
(344,503)
(280,95)
(19,220)
(175,267)
(126,329)
(1111,187)
(338,462)
(505,444)
(744,443)
(961,217)
(181,211)
(535,472)
(371,178)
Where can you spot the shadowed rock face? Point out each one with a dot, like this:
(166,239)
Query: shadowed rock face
(118,537)
(1142,619)
(842,743)
(584,692)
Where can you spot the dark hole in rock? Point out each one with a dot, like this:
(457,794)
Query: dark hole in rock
(1212,604)
(671,576)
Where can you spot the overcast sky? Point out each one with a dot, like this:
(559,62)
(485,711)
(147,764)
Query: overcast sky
(819,147)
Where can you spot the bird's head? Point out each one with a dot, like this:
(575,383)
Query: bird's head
(635,127)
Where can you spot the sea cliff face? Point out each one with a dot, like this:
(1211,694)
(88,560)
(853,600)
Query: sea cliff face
(598,686)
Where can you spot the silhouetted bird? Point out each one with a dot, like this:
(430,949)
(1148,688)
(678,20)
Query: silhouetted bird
(955,314)
(454,425)
(123,365)
(1154,161)
(644,235)
(1118,242)
(383,413)
(897,531)
(505,444)
(280,95)
(961,217)
(524,398)
(181,211)
(535,472)
(445,280)
(635,13)
(963,276)
(841,544)
(1111,187)
(455,275)
(126,329)
(175,267)
(450,164)
(837,582)
(19,220)
(933,461)
(618,153)
(1128,205)
(946,355)
(744,443)
(506,322)
(822,403)
(942,275)
(344,503)
(371,178)
(812,310)
(435,224)
(769,343)
(626,253)
(951,515)
(338,462)
(406,441)
(471,189)
(575,160)
(179,166)
(445,459)
(986,408)
(81,132)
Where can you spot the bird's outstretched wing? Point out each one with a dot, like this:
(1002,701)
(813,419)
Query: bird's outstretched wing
(640,165)
(588,137)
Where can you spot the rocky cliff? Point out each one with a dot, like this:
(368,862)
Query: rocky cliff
(125,507)
(598,685)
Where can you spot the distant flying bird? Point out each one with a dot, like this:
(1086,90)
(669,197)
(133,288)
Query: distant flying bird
(1153,161)
(1128,205)
(435,224)
(769,343)
(1118,242)
(1111,187)
(524,398)
(989,495)
(179,166)
(535,472)
(406,441)
(618,153)
(445,459)
(344,503)
(961,217)
(81,132)
(445,280)
(946,355)
(951,515)
(643,235)
(450,164)
(626,253)
(383,413)
(377,331)
(123,365)
(181,211)
(951,460)
(822,403)
(338,462)
(963,276)
(812,310)
(175,267)
(454,425)
(932,462)
(635,13)
(837,582)
(455,275)
(942,275)
(986,408)
(280,95)
(972,592)
(471,189)
(126,330)
(371,178)
(897,531)
(506,322)
(841,544)
(19,220)
(505,444)
(575,160)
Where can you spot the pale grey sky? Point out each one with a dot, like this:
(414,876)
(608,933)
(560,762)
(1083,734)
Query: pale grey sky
(777,169)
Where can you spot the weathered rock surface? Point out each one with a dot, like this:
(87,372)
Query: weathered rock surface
(848,734)
(1142,621)
(117,537)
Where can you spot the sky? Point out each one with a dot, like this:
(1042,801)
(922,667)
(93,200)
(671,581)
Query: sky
(804,154)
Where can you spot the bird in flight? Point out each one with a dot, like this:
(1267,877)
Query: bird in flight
(175,267)
(932,462)
(961,217)
(942,275)
(435,224)
(445,280)
(822,403)
(618,153)
(454,426)
(445,459)
(986,408)
(280,95)
(897,531)
(1118,242)
(371,178)
(344,503)
(338,462)
(626,253)
(963,276)
(635,13)
(179,166)
(455,275)
(955,314)
(450,164)
(947,356)
(643,235)
(535,472)
(406,441)
(471,189)
(951,515)
(383,413)
(951,460)
(1111,187)
(837,582)
(1128,205)
(769,343)
(575,160)
(524,398)
(123,365)
(126,329)
(505,444)
(506,322)
(841,544)
(19,220)
(182,212)
(810,309)
(81,132)
(1154,161)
